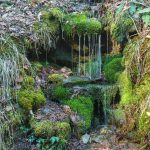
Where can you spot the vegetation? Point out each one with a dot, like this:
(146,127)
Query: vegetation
(55,78)
(82,36)
(30,100)
(60,93)
(112,68)
(84,107)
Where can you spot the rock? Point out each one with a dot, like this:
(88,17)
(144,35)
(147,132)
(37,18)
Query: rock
(8,108)
(97,139)
(67,109)
(46,111)
(85,138)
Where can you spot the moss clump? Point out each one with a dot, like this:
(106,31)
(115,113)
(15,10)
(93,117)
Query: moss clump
(113,68)
(144,123)
(28,82)
(60,93)
(80,24)
(55,78)
(44,129)
(47,129)
(63,130)
(37,66)
(30,100)
(84,107)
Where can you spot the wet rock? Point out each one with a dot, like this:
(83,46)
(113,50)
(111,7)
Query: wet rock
(85,138)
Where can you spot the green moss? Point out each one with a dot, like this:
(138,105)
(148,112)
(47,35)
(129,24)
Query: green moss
(37,66)
(44,129)
(84,107)
(63,130)
(80,24)
(60,93)
(55,78)
(113,68)
(47,129)
(118,117)
(30,100)
(144,123)
(126,89)
(28,82)
(15,118)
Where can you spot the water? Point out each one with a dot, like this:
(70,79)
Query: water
(79,67)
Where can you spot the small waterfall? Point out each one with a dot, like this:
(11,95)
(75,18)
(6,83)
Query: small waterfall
(84,54)
(89,41)
(99,57)
(79,63)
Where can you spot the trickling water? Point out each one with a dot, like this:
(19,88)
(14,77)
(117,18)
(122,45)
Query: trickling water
(99,57)
(79,69)
(84,54)
(89,40)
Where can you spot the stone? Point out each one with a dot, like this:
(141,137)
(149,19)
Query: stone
(85,138)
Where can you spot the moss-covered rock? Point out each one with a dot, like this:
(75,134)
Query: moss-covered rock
(28,82)
(31,100)
(63,130)
(80,24)
(44,129)
(118,117)
(84,107)
(47,129)
(55,78)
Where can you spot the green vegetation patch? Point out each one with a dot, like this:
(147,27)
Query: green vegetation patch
(113,68)
(84,107)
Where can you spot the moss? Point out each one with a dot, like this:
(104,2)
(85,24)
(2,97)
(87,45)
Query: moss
(30,100)
(84,107)
(126,89)
(28,82)
(63,130)
(47,129)
(55,78)
(44,129)
(60,93)
(37,66)
(15,118)
(80,24)
(113,68)
(119,117)
(144,124)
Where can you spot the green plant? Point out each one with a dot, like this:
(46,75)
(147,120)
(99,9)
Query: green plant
(55,78)
(80,24)
(113,68)
(84,107)
(60,93)
(28,82)
(120,28)
(31,100)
